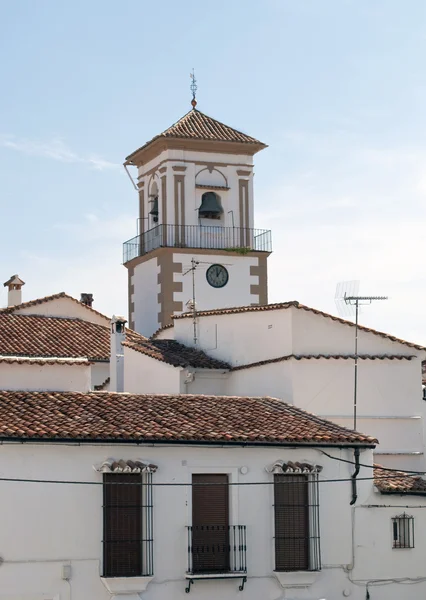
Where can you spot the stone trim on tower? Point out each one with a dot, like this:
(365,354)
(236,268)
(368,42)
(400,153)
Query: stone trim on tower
(164,206)
(131,291)
(141,207)
(179,202)
(168,287)
(261,288)
(243,192)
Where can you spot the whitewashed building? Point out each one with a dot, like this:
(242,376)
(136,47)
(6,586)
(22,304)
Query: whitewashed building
(184,462)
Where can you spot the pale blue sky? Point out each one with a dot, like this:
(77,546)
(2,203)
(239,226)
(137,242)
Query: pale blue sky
(336,88)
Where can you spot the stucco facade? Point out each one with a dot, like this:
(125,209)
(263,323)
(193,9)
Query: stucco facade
(66,526)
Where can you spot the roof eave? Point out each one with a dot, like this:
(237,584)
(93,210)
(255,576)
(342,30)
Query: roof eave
(221,443)
(159,143)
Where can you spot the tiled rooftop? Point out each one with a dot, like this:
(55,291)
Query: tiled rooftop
(165,418)
(195,125)
(398,482)
(283,305)
(40,336)
(176,354)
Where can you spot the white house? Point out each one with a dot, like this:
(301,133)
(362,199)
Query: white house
(164,495)
(184,462)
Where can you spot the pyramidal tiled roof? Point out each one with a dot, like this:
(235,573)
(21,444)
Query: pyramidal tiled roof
(195,125)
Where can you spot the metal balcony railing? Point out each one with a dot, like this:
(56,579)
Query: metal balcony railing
(217,549)
(197,236)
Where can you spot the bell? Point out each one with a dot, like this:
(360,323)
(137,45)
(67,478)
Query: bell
(210,206)
(154,209)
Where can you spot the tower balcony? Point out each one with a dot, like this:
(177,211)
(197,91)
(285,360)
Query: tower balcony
(239,239)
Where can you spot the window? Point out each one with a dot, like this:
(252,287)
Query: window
(403,531)
(297,541)
(127,544)
(214,545)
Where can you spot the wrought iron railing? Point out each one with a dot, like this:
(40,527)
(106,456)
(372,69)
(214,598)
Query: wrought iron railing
(198,236)
(217,549)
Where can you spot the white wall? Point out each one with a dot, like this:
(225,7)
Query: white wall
(145,281)
(66,524)
(207,382)
(56,377)
(374,535)
(145,375)
(64,307)
(314,333)
(240,338)
(100,373)
(235,293)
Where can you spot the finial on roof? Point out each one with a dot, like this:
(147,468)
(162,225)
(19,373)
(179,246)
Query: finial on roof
(193,87)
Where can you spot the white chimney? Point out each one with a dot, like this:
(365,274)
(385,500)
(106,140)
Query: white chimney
(15,295)
(116,363)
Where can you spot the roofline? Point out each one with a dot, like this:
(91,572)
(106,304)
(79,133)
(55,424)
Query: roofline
(67,357)
(162,136)
(232,310)
(248,148)
(36,301)
(400,493)
(108,441)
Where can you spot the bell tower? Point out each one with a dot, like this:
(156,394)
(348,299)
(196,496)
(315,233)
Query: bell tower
(195,185)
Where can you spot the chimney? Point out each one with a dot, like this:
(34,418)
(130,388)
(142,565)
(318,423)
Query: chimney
(14,285)
(116,364)
(87,299)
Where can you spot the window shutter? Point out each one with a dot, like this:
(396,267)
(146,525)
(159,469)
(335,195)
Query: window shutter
(210,523)
(122,525)
(291,503)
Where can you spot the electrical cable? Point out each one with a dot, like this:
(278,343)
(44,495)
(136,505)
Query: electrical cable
(351,462)
(181,484)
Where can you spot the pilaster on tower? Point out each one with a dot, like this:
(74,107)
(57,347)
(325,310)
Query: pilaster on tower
(195,185)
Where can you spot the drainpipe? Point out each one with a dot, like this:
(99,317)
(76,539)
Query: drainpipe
(354,476)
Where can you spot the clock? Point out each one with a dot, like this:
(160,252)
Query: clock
(217,276)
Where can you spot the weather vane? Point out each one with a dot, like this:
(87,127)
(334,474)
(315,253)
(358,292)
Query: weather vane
(193,87)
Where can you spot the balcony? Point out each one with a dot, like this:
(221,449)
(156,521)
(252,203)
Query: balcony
(216,552)
(198,236)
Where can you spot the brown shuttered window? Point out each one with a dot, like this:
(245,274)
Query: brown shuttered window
(292,540)
(210,524)
(122,525)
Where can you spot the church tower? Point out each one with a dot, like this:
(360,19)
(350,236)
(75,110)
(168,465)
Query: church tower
(196,235)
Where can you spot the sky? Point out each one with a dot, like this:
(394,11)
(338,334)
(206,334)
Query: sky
(336,88)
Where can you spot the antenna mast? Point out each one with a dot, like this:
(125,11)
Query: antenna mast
(191,303)
(350,298)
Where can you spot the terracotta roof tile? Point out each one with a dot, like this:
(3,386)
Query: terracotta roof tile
(44,361)
(398,482)
(176,354)
(195,125)
(165,418)
(294,303)
(160,329)
(40,336)
(269,361)
(44,299)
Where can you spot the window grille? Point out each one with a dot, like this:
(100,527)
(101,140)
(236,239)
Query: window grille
(128,525)
(297,535)
(403,531)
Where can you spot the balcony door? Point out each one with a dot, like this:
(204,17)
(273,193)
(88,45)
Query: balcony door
(210,523)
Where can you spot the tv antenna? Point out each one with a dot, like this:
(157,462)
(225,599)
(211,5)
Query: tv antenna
(348,302)
(191,303)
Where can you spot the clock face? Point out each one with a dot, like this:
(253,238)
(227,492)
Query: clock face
(217,276)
